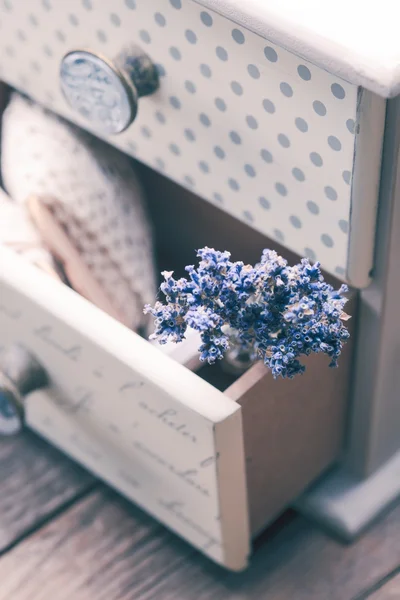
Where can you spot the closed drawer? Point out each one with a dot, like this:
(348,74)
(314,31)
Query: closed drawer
(277,142)
(160,434)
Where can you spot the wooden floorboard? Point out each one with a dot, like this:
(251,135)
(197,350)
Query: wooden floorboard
(298,563)
(103,548)
(36,481)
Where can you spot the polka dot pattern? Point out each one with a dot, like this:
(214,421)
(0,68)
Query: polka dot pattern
(313,207)
(270,54)
(283,140)
(145,36)
(253,71)
(281,189)
(221,53)
(268,106)
(253,128)
(175,53)
(205,120)
(251,122)
(205,70)
(189,134)
(316,159)
(334,143)
(160,117)
(236,88)
(238,36)
(220,104)
(235,137)
(189,180)
(190,36)
(206,19)
(266,155)
(266,204)
(327,240)
(301,124)
(160,19)
(204,166)
(295,221)
(233,184)
(250,171)
(59,35)
(338,91)
(346,177)
(248,216)
(310,254)
(286,89)
(190,86)
(115,20)
(175,102)
(298,174)
(350,124)
(218,198)
(330,193)
(304,72)
(319,108)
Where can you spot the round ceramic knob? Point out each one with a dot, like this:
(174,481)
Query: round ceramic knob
(105,92)
(20,374)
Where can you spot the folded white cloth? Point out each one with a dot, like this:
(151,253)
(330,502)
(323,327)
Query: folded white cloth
(92,192)
(18,233)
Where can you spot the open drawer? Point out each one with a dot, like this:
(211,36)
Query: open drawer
(214,466)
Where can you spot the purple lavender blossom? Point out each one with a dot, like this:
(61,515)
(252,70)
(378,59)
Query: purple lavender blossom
(272,311)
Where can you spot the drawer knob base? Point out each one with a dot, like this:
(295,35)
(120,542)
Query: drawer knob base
(104,92)
(20,374)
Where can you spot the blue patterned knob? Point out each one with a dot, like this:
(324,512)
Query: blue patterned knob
(10,416)
(20,373)
(105,93)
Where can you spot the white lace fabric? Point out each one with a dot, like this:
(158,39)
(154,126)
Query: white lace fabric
(92,191)
(18,233)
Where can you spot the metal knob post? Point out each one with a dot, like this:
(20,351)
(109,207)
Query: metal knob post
(105,92)
(20,374)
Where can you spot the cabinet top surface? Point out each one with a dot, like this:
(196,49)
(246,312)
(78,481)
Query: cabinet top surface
(356,40)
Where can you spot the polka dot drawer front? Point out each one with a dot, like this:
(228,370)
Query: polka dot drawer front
(245,124)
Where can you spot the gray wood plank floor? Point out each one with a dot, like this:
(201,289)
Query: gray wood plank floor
(35,482)
(65,537)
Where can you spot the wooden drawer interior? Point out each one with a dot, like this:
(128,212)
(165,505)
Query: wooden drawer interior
(293,430)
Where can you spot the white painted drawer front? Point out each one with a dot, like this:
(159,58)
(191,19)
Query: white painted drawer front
(245,124)
(154,430)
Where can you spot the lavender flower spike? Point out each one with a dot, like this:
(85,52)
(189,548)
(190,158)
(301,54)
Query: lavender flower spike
(272,311)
